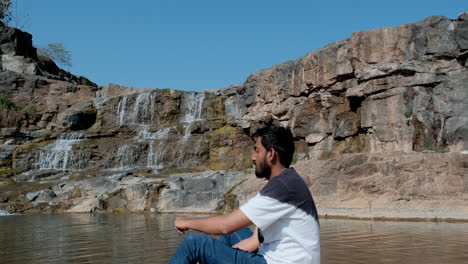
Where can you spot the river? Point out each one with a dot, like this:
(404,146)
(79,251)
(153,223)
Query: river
(138,238)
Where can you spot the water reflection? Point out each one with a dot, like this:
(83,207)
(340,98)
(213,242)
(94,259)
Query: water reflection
(348,241)
(83,238)
(127,238)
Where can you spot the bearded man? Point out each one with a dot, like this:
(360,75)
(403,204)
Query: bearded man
(284,213)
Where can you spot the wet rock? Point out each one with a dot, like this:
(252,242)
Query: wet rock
(6,153)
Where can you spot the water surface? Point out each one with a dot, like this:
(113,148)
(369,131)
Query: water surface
(135,238)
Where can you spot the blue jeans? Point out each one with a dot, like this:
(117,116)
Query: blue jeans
(203,249)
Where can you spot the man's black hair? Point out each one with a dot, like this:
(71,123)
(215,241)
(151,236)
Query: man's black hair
(280,139)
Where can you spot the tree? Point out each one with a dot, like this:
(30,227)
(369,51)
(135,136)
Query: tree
(56,52)
(5,12)
(18,18)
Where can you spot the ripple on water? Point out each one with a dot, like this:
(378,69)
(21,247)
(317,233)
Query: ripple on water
(348,241)
(126,238)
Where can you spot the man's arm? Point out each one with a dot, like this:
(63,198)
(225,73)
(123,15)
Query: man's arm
(250,244)
(214,225)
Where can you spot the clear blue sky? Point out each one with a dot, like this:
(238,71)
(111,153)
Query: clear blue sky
(197,45)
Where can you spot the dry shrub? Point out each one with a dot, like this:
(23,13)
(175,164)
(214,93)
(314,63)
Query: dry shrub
(9,118)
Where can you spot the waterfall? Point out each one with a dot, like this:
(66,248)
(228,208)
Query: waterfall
(157,151)
(123,156)
(141,113)
(143,109)
(121,110)
(194,106)
(193,111)
(60,156)
(150,140)
(144,133)
(127,157)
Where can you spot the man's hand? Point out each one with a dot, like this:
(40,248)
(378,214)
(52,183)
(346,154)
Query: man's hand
(180,225)
(213,225)
(250,244)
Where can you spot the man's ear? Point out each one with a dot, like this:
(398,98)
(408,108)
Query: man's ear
(271,154)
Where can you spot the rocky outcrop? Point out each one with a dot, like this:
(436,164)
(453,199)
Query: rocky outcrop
(383,90)
(115,193)
(37,89)
(200,192)
(125,192)
(380,122)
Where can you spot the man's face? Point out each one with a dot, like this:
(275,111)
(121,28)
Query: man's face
(259,158)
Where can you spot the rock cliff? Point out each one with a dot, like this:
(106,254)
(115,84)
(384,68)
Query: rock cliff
(380,122)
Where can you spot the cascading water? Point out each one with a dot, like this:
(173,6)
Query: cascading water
(193,107)
(121,110)
(127,157)
(141,113)
(143,109)
(60,156)
(145,134)
(158,150)
(192,112)
(193,103)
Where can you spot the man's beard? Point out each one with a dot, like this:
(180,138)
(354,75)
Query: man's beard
(263,171)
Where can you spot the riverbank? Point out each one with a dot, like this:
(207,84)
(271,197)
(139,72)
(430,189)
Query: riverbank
(400,215)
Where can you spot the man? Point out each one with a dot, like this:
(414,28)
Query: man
(284,213)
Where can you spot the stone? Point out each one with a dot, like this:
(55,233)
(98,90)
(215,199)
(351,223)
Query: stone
(314,138)
(9,132)
(198,192)
(461,30)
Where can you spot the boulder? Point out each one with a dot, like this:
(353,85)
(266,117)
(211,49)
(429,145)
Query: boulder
(198,192)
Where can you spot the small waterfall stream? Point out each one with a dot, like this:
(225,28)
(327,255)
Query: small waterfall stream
(193,103)
(158,150)
(193,112)
(143,109)
(127,157)
(60,156)
(121,110)
(141,113)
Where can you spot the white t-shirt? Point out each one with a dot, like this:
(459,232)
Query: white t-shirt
(287,219)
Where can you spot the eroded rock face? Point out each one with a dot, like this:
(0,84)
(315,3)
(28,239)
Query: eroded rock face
(393,89)
(399,185)
(38,89)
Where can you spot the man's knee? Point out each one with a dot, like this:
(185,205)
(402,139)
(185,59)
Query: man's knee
(195,240)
